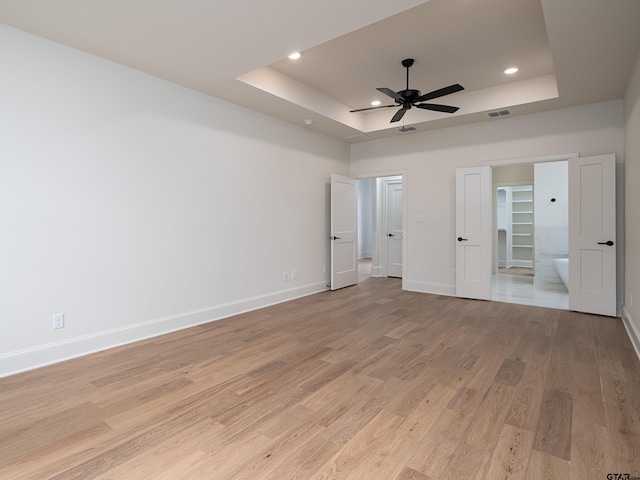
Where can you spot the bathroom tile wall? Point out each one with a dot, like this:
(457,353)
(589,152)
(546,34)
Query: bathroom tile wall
(550,242)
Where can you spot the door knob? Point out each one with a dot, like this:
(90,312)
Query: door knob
(608,242)
(334,238)
(460,239)
(390,235)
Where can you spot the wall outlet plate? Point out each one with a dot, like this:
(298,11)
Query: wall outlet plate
(58,321)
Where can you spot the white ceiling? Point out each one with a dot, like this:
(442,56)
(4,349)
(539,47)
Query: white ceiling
(570,52)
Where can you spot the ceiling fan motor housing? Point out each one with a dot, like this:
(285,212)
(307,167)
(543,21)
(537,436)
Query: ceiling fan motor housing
(409,95)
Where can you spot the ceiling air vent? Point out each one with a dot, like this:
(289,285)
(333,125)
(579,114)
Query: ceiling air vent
(499,113)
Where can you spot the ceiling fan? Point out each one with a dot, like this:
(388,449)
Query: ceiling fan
(408,98)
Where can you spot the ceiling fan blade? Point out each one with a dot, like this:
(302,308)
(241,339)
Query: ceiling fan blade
(440,93)
(399,114)
(373,108)
(438,108)
(391,93)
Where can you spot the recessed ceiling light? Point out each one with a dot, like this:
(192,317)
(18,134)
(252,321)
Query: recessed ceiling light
(375,103)
(295,55)
(511,70)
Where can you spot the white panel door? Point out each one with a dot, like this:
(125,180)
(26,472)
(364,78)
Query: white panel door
(473,232)
(592,234)
(344,232)
(394,229)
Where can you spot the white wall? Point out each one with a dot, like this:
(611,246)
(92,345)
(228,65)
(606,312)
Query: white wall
(365,218)
(632,202)
(551,219)
(552,183)
(430,159)
(135,206)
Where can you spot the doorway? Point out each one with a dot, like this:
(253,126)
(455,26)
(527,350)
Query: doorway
(380,226)
(530,233)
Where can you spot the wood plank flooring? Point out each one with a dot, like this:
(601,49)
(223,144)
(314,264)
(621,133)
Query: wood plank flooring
(368,382)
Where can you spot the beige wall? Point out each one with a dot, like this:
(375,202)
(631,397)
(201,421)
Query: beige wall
(632,201)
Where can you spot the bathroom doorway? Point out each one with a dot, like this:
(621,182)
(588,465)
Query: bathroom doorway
(530,233)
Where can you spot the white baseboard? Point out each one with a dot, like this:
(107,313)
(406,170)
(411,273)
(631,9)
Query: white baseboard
(434,288)
(632,330)
(522,263)
(42,355)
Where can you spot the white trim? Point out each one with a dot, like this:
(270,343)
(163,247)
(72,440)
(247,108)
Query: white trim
(632,330)
(433,288)
(404,175)
(544,158)
(42,355)
(376,271)
(386,173)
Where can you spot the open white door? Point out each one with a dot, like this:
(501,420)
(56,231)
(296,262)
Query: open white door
(592,234)
(344,232)
(394,228)
(473,232)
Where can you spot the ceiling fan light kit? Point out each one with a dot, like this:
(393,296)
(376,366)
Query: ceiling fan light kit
(409,98)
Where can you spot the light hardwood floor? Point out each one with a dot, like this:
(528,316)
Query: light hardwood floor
(368,382)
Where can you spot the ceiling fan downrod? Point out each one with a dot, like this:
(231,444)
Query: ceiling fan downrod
(407,63)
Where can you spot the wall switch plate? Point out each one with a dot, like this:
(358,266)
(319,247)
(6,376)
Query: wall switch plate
(419,219)
(58,321)
(453,273)
(324,269)
(284,276)
(293,274)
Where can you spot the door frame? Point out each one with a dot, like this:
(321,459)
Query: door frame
(383,239)
(619,208)
(507,163)
(378,225)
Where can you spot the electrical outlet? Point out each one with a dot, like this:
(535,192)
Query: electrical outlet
(293,274)
(284,276)
(58,321)
(324,269)
(453,273)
